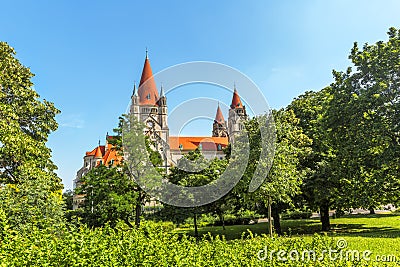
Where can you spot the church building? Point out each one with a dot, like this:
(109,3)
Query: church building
(149,105)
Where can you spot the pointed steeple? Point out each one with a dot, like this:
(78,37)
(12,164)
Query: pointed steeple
(98,153)
(134,93)
(236,102)
(219,118)
(162,91)
(147,91)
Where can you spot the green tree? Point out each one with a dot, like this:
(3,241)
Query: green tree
(67,197)
(26,170)
(25,123)
(110,195)
(366,135)
(285,175)
(321,185)
(113,194)
(202,172)
(141,162)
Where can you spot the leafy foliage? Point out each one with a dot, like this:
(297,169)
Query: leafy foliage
(25,123)
(321,184)
(366,135)
(110,196)
(150,245)
(30,190)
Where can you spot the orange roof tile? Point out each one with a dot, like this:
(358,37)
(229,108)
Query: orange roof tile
(148,94)
(93,152)
(219,117)
(236,102)
(192,142)
(98,153)
(111,155)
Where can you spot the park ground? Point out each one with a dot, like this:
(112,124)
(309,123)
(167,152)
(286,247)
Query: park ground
(379,233)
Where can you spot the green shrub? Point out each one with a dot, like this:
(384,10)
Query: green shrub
(296,215)
(150,245)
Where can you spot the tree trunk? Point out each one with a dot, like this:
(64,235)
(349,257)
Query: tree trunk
(269,216)
(196,233)
(277,221)
(138,210)
(371,210)
(324,211)
(221,216)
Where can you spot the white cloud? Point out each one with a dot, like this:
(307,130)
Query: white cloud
(71,121)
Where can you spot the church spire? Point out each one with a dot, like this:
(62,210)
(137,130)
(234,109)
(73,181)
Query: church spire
(219,125)
(219,118)
(134,93)
(162,91)
(148,94)
(236,102)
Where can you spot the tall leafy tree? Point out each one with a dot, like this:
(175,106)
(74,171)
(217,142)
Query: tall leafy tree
(110,196)
(285,176)
(204,172)
(364,124)
(113,194)
(25,124)
(321,185)
(32,190)
(142,161)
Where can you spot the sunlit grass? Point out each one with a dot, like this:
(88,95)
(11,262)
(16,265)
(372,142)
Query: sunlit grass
(378,233)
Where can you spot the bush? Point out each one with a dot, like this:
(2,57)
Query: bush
(149,245)
(296,215)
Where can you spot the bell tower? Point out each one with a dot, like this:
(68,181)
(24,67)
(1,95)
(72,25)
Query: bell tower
(151,108)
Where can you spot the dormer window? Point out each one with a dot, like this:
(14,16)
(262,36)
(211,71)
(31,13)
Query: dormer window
(180,146)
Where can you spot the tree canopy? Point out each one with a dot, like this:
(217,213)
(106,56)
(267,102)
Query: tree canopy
(32,190)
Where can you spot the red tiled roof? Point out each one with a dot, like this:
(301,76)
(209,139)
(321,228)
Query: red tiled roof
(148,94)
(98,153)
(192,142)
(93,152)
(219,117)
(106,155)
(236,102)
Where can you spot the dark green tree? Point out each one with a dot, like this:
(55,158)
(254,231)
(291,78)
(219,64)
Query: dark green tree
(67,197)
(204,172)
(321,185)
(285,175)
(110,196)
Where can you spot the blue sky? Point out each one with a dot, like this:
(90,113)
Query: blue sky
(87,54)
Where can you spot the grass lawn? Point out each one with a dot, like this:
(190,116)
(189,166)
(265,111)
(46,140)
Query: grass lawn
(378,233)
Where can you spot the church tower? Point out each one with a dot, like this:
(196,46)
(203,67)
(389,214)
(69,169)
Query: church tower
(219,125)
(151,108)
(237,116)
